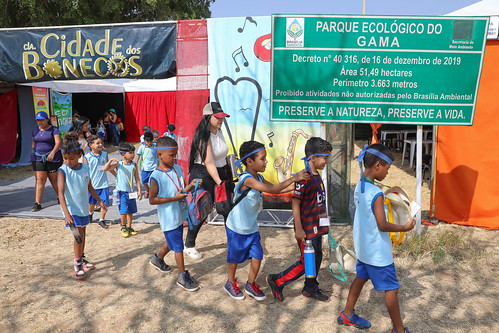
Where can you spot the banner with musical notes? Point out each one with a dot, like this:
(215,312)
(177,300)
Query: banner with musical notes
(239,67)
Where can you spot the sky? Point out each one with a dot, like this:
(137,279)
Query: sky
(243,8)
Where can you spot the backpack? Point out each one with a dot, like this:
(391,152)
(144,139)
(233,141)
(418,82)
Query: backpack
(199,207)
(224,196)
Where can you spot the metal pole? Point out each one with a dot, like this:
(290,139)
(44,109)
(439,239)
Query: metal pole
(419,165)
(363,7)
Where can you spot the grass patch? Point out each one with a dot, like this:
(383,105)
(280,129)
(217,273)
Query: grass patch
(10,174)
(444,248)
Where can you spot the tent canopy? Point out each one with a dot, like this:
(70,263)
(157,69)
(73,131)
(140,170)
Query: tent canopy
(481,8)
(108,86)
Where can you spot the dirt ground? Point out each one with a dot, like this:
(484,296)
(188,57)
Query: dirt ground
(450,285)
(38,292)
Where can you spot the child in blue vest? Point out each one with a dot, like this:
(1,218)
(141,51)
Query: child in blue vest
(243,238)
(145,129)
(168,192)
(155,135)
(170,132)
(74,185)
(372,242)
(126,172)
(148,160)
(101,129)
(96,160)
(309,210)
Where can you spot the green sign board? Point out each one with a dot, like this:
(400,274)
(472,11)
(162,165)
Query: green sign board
(376,69)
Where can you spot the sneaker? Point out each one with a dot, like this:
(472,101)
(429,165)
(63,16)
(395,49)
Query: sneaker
(405,330)
(159,264)
(193,253)
(146,195)
(232,288)
(354,320)
(318,295)
(87,266)
(124,232)
(187,282)
(276,291)
(131,231)
(91,217)
(36,207)
(253,290)
(102,224)
(79,271)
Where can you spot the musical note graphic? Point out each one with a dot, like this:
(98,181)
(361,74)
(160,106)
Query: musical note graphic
(239,50)
(248,18)
(270,135)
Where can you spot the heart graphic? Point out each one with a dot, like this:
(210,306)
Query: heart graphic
(259,100)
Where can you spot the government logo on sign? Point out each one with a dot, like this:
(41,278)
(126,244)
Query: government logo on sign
(295,28)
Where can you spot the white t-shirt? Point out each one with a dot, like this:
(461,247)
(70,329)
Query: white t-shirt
(84,147)
(219,149)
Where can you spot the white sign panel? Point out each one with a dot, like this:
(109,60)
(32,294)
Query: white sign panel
(493,27)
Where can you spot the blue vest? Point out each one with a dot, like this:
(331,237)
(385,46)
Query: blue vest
(148,156)
(76,189)
(125,176)
(372,246)
(98,177)
(170,214)
(242,218)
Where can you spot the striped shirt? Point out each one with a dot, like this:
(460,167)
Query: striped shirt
(312,205)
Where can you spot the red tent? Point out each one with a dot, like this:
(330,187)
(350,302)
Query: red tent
(465,187)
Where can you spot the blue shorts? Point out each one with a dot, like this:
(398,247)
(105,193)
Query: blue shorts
(145,175)
(127,205)
(243,247)
(174,239)
(81,221)
(383,278)
(103,194)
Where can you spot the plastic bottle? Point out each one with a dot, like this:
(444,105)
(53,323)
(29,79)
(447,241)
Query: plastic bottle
(309,257)
(116,197)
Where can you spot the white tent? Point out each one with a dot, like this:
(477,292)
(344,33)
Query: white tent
(481,8)
(107,86)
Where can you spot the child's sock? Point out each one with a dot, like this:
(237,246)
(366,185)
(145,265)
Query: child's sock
(181,274)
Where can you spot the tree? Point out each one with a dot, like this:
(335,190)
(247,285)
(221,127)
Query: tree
(37,13)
